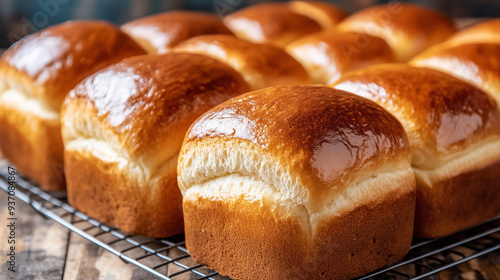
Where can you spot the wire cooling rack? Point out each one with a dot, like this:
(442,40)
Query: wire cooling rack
(168,258)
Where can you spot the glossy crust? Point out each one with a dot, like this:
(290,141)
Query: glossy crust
(281,23)
(42,68)
(123,128)
(407,28)
(454,131)
(483,32)
(158,34)
(478,64)
(323,174)
(326,14)
(327,55)
(261,65)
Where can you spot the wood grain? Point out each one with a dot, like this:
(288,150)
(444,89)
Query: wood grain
(86,260)
(40,244)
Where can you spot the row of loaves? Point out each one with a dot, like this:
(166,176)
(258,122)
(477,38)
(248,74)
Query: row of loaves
(182,122)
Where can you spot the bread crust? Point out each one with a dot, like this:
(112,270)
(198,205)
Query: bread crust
(262,65)
(476,63)
(434,108)
(454,131)
(159,33)
(407,28)
(304,130)
(297,182)
(122,129)
(246,240)
(34,146)
(327,55)
(71,51)
(281,23)
(458,202)
(485,32)
(106,192)
(42,68)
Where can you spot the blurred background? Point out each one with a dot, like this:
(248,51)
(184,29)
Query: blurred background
(18,18)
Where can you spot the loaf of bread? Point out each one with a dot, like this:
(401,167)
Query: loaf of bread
(297,182)
(36,74)
(327,55)
(261,65)
(483,32)
(454,132)
(407,28)
(158,34)
(123,128)
(473,55)
(281,23)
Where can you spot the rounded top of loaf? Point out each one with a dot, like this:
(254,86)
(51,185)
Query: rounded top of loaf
(328,54)
(311,142)
(143,105)
(482,32)
(407,28)
(262,65)
(159,33)
(478,64)
(281,23)
(51,62)
(442,115)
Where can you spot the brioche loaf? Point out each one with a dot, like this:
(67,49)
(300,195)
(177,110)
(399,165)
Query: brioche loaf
(297,182)
(122,130)
(483,32)
(476,63)
(158,34)
(281,23)
(407,28)
(35,75)
(327,55)
(454,132)
(261,65)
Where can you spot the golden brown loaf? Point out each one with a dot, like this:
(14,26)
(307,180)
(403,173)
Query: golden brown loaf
(483,32)
(281,23)
(123,128)
(476,63)
(158,34)
(261,65)
(323,175)
(454,132)
(327,55)
(35,76)
(407,28)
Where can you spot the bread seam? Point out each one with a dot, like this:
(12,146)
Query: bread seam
(76,145)
(29,104)
(333,206)
(484,158)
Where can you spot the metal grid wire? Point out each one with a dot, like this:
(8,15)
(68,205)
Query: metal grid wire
(168,258)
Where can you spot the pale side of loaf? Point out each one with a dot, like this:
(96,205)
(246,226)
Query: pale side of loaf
(297,182)
(35,75)
(123,128)
(454,132)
